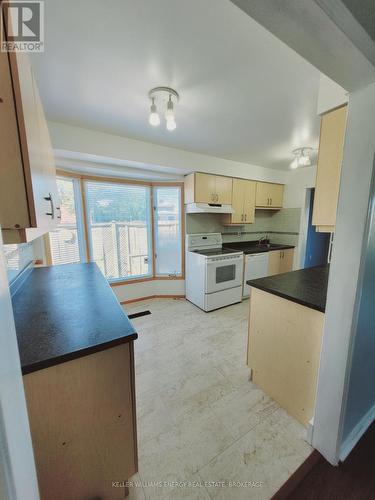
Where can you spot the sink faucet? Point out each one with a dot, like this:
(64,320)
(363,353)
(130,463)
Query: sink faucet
(262,239)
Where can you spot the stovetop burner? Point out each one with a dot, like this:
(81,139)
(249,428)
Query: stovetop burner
(215,251)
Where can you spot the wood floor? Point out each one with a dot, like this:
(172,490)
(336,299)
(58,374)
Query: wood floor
(354,479)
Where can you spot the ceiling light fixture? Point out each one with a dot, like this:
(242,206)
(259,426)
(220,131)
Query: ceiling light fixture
(167,98)
(154,118)
(301,157)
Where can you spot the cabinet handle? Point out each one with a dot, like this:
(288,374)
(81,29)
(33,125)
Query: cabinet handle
(217,197)
(50,199)
(268,201)
(271,201)
(246,217)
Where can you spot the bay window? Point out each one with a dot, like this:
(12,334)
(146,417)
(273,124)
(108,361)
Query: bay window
(66,242)
(119,228)
(167,216)
(132,230)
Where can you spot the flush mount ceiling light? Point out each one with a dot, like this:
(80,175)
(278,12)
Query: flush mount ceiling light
(166,99)
(301,157)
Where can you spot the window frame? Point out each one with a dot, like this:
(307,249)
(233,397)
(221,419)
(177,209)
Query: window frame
(82,214)
(155,237)
(80,224)
(85,183)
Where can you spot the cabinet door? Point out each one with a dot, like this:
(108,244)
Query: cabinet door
(274,259)
(262,194)
(40,173)
(238,198)
(286,260)
(205,187)
(332,133)
(276,192)
(249,201)
(223,190)
(14,210)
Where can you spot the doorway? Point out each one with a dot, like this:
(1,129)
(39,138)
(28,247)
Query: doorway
(317,244)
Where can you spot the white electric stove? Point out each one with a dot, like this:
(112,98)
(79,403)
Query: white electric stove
(213,274)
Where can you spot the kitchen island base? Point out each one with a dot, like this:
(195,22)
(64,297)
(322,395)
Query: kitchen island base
(83,425)
(284,350)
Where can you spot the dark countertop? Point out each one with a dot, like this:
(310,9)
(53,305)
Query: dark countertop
(249,247)
(307,287)
(65,312)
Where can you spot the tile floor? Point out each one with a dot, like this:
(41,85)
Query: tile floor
(204,431)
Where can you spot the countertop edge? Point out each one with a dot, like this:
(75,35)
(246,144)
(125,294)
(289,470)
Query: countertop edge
(287,297)
(71,356)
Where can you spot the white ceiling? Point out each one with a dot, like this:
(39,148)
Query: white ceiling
(244,95)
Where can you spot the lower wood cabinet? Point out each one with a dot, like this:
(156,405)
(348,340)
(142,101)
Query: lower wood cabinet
(83,425)
(280,261)
(284,351)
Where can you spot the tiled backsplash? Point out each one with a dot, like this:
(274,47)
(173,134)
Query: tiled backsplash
(281,226)
(17,257)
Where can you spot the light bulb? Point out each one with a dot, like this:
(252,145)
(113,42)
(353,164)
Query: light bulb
(294,163)
(171,124)
(169,113)
(304,160)
(154,118)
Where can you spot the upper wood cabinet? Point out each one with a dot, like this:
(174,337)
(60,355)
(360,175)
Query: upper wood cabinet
(243,202)
(208,188)
(269,195)
(29,205)
(331,145)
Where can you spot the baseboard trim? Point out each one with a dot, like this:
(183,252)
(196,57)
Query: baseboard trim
(356,434)
(149,297)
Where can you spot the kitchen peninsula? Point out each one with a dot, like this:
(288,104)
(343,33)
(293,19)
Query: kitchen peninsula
(77,359)
(285,331)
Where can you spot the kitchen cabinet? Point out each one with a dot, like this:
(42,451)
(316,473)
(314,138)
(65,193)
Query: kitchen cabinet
(331,145)
(284,351)
(76,350)
(280,261)
(269,195)
(29,204)
(208,188)
(243,202)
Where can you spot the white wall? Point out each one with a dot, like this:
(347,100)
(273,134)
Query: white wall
(17,469)
(337,345)
(149,288)
(360,404)
(98,146)
(330,95)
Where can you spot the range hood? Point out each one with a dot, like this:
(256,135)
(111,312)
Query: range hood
(208,208)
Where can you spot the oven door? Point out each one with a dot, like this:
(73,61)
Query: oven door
(224,273)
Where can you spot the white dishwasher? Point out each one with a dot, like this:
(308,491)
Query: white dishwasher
(256,266)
